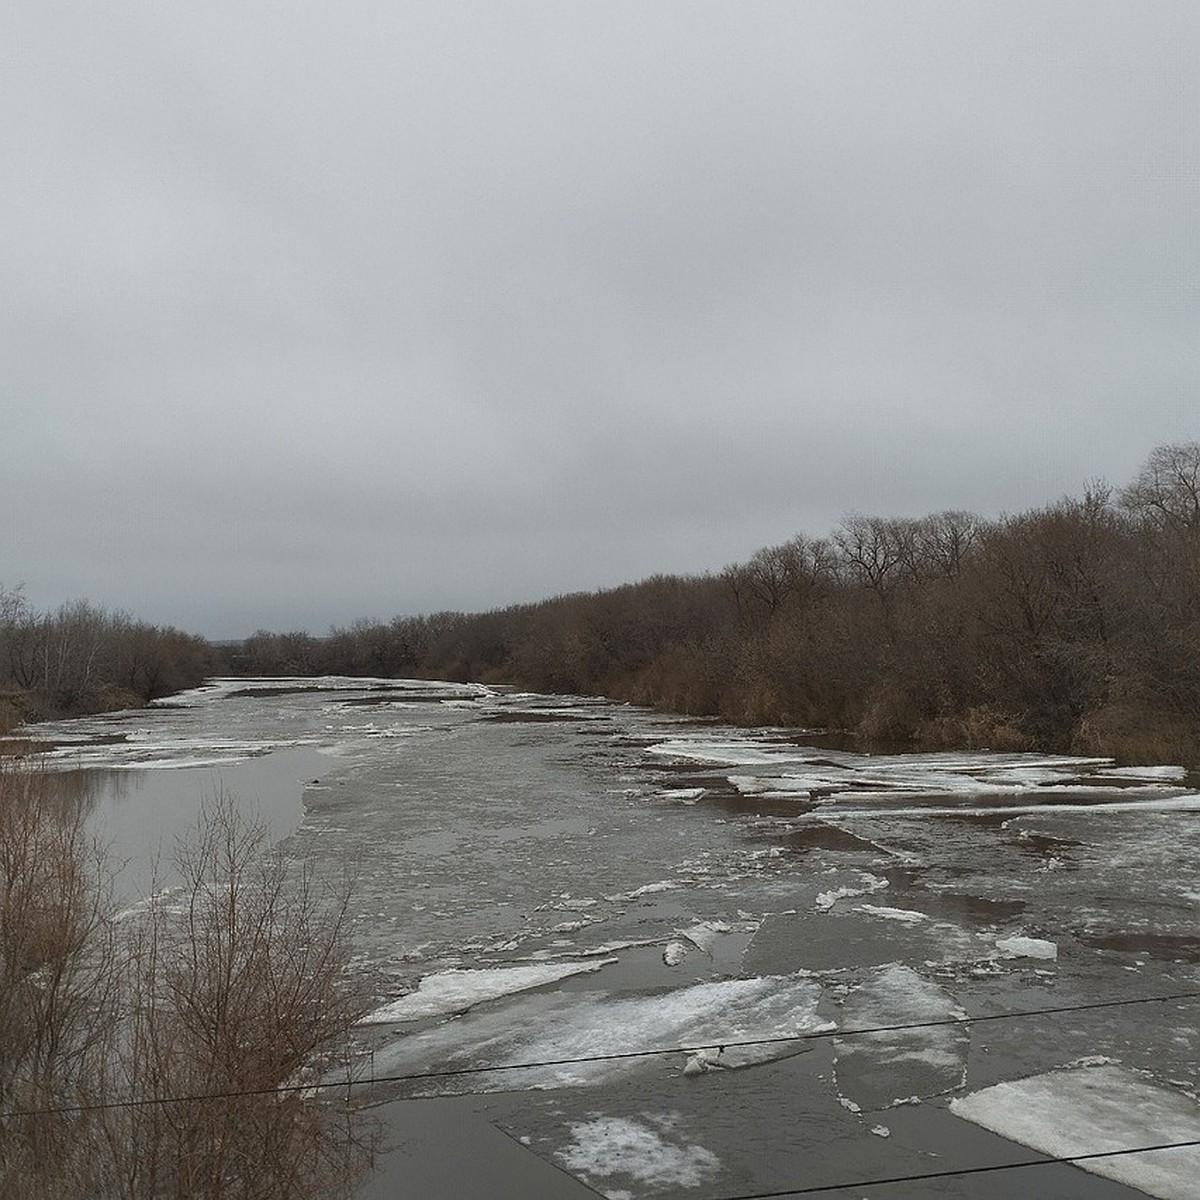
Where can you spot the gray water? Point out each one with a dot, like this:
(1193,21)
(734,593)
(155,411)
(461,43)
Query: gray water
(703,886)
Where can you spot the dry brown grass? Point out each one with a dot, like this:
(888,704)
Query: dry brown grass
(1139,735)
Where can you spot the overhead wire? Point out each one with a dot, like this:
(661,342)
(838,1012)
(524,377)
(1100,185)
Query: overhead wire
(350,1082)
(951,1172)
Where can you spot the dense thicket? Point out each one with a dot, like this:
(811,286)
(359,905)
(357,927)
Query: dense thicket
(82,658)
(1075,625)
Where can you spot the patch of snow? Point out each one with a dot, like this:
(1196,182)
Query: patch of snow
(457,991)
(1096,1110)
(648,1152)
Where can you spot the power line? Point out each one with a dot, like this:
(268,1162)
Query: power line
(1053,1160)
(490,1068)
(812,1035)
(811,1189)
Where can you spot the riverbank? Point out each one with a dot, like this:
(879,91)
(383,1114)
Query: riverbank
(22,706)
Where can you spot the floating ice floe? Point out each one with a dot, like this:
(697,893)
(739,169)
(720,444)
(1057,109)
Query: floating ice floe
(138,751)
(650,1152)
(877,1070)
(838,778)
(457,991)
(869,883)
(905,915)
(1098,1110)
(728,752)
(675,952)
(683,795)
(701,936)
(1188,803)
(800,786)
(1027,947)
(1177,773)
(647,889)
(704,934)
(606,1033)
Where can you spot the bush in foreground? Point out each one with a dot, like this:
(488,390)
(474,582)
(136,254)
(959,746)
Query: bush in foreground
(162,1054)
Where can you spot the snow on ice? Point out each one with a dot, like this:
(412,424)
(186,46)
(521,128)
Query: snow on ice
(555,1026)
(904,915)
(1096,1110)
(1027,947)
(868,883)
(457,991)
(651,1153)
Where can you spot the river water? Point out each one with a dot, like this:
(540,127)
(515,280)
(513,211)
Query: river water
(546,878)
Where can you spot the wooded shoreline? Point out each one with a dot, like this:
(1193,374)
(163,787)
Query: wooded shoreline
(1071,627)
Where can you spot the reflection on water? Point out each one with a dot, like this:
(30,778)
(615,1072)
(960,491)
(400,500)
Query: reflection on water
(78,790)
(140,817)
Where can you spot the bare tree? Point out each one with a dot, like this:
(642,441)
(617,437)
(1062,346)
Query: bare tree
(167,1055)
(238,985)
(1166,491)
(57,985)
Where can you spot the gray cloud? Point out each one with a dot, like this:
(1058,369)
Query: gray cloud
(337,310)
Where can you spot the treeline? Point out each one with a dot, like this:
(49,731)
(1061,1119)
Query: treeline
(82,658)
(1072,626)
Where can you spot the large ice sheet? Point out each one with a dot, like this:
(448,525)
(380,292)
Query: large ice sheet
(551,1028)
(1097,1110)
(759,768)
(878,1070)
(1188,803)
(457,991)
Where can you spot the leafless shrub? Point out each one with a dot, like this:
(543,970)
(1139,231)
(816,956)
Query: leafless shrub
(237,986)
(166,1055)
(57,979)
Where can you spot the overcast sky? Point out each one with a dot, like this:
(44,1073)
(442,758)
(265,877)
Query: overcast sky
(313,311)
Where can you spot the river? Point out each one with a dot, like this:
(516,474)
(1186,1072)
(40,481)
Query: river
(549,878)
